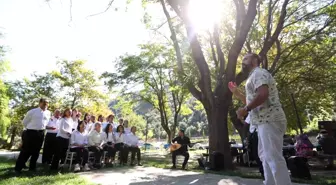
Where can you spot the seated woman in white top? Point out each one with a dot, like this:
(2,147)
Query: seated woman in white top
(96,144)
(78,143)
(63,137)
(133,142)
(108,138)
(120,144)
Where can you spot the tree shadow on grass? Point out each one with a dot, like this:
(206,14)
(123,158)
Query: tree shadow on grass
(42,175)
(198,179)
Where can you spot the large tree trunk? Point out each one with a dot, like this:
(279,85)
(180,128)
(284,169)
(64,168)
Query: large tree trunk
(218,133)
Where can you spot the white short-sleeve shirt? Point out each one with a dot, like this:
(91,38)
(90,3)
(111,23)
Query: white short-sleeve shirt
(271,110)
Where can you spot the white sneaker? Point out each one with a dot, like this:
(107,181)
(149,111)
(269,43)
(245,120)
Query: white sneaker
(86,167)
(77,168)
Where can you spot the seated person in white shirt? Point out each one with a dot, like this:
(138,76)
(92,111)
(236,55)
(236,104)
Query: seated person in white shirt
(108,138)
(78,143)
(120,144)
(133,141)
(63,137)
(90,126)
(96,144)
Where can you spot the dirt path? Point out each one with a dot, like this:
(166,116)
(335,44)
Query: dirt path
(158,176)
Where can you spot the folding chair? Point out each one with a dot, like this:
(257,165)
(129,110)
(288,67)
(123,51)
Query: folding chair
(69,157)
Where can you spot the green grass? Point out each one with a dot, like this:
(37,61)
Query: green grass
(42,176)
(161,161)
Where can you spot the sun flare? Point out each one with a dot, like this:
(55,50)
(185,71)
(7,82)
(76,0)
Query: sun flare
(204,14)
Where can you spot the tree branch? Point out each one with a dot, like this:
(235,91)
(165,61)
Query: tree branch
(277,57)
(268,43)
(162,24)
(107,8)
(308,14)
(220,53)
(239,41)
(174,5)
(240,13)
(304,40)
(213,52)
(269,21)
(173,37)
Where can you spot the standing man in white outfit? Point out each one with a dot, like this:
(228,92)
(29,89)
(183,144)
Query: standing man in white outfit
(34,122)
(263,105)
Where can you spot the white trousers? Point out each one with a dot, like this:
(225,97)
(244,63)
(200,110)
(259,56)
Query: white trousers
(270,143)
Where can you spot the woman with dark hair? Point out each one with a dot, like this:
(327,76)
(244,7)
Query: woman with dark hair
(63,136)
(119,144)
(78,143)
(100,119)
(108,138)
(90,126)
(86,118)
(75,119)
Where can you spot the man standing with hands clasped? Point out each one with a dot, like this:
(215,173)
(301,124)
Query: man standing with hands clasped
(266,113)
(35,122)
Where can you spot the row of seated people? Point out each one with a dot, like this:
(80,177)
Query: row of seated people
(97,142)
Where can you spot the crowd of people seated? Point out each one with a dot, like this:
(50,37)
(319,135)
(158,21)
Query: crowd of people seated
(67,132)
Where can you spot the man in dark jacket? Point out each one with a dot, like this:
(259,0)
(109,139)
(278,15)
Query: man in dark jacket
(185,142)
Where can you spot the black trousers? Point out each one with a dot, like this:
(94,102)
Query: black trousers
(32,143)
(98,152)
(49,148)
(183,153)
(135,150)
(111,151)
(82,155)
(253,145)
(61,147)
(123,152)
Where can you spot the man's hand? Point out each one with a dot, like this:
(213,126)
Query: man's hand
(233,87)
(241,113)
(50,128)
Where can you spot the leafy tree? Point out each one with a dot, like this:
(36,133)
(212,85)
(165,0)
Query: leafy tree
(25,94)
(79,84)
(125,108)
(4,101)
(154,69)
(277,23)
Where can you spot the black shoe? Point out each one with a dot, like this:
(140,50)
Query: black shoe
(139,164)
(173,167)
(32,170)
(17,173)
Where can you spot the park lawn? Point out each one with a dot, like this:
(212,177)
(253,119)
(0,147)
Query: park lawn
(164,161)
(41,177)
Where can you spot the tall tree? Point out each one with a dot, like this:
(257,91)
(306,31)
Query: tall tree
(25,94)
(4,101)
(79,84)
(264,33)
(154,69)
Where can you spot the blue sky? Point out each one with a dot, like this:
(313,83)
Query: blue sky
(37,32)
